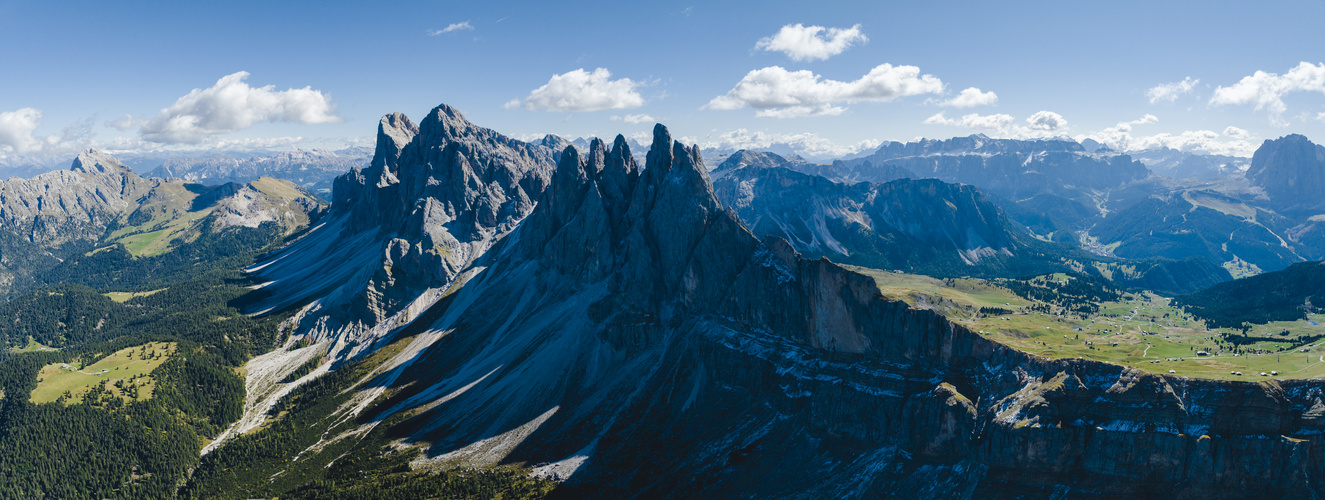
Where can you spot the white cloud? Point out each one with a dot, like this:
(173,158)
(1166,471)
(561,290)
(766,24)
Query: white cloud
(1169,92)
(807,43)
(1047,121)
(1236,133)
(257,143)
(580,90)
(1266,90)
(779,93)
(974,120)
(232,105)
(634,119)
(461,26)
(125,122)
(17,134)
(806,144)
(972,97)
(16,128)
(1235,141)
(1042,124)
(1145,120)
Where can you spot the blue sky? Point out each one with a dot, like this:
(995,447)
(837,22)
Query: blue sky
(119,75)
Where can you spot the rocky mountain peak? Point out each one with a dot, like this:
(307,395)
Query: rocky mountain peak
(96,161)
(445,122)
(1291,169)
(394,131)
(654,232)
(553,142)
(755,159)
(660,152)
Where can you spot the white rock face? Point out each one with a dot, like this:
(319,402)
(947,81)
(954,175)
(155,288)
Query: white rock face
(95,161)
(59,207)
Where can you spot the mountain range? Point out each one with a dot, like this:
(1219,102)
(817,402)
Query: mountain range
(100,206)
(471,314)
(313,170)
(618,326)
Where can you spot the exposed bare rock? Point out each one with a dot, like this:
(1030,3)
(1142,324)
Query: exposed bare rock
(925,225)
(1292,171)
(631,337)
(435,197)
(94,161)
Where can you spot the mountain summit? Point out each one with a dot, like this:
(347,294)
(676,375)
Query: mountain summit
(95,161)
(1292,171)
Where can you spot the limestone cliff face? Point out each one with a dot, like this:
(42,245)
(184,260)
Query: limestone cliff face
(436,196)
(924,225)
(634,338)
(65,206)
(1292,171)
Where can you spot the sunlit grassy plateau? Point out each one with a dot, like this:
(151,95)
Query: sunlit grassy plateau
(1141,330)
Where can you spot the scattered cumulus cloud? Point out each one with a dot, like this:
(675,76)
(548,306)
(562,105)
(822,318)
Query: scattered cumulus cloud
(1233,142)
(460,26)
(18,134)
(1042,124)
(580,90)
(233,105)
(133,144)
(974,120)
(806,144)
(1047,121)
(1145,120)
(779,93)
(634,119)
(808,43)
(1266,90)
(1169,92)
(971,98)
(16,129)
(257,143)
(125,122)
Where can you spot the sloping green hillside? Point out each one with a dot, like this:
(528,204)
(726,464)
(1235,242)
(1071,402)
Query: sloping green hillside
(1284,295)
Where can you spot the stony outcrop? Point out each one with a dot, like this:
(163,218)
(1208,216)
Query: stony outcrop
(1291,169)
(926,226)
(436,196)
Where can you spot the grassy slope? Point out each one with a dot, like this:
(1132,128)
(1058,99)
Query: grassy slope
(1157,338)
(32,346)
(171,218)
(121,297)
(124,365)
